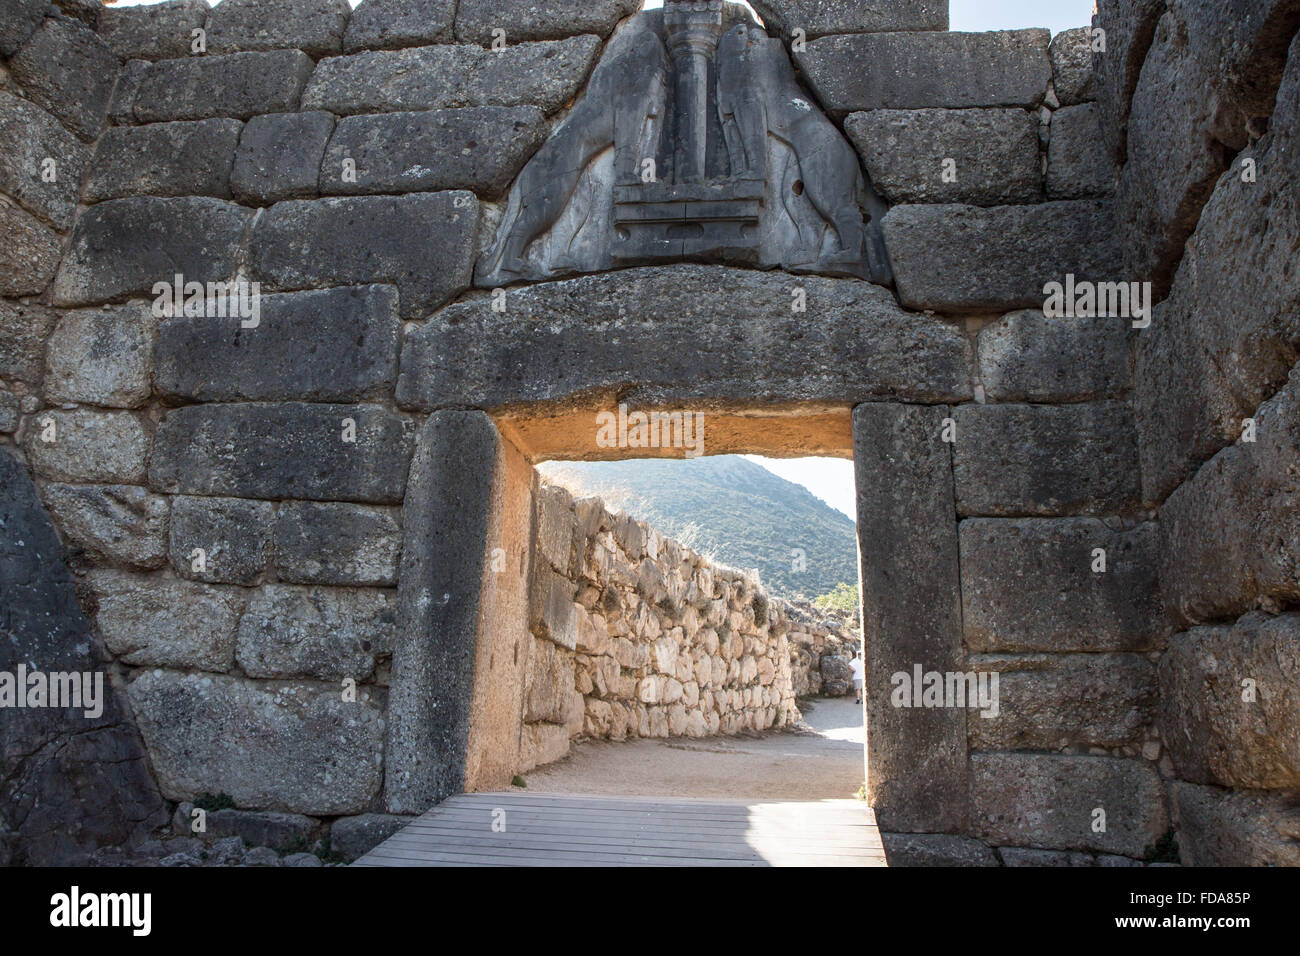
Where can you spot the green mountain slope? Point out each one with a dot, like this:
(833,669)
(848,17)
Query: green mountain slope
(732,510)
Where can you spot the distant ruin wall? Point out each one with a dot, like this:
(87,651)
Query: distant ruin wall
(635,635)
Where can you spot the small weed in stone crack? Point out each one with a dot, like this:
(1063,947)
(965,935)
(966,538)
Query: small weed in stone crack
(518,781)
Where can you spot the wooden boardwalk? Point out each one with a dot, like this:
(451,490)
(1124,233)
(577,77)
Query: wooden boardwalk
(553,829)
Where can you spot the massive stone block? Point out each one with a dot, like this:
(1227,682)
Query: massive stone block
(69,71)
(995,152)
(1014,460)
(234,536)
(908,538)
(920,70)
(69,783)
(678,325)
(935,849)
(1129,26)
(125,246)
(1049,802)
(313,26)
(335,543)
(279,157)
(1226,828)
(296,747)
(392,24)
(546,75)
(82,445)
(1214,734)
(527,20)
(24,329)
(1231,535)
(240,85)
(1219,347)
(817,18)
(480,149)
(165,159)
(324,633)
(283,451)
(161,31)
(343,343)
(1078,165)
(1020,249)
(1029,585)
(424,244)
(1071,54)
(1054,701)
(30,138)
(101,357)
(1025,357)
(147,621)
(32,253)
(21,18)
(115,524)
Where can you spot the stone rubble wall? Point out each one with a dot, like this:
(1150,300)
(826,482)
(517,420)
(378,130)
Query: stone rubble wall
(635,635)
(1201,102)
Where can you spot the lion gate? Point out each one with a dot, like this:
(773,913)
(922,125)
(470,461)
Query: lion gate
(304,304)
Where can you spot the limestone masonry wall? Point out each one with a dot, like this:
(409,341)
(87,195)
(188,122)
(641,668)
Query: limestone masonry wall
(635,635)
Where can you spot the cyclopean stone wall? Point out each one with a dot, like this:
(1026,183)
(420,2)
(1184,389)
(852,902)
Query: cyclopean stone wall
(635,635)
(283,536)
(1203,99)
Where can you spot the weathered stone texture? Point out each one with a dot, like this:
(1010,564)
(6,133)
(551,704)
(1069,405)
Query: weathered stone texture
(69,783)
(1048,802)
(818,18)
(424,244)
(935,849)
(118,524)
(323,633)
(317,754)
(125,246)
(313,26)
(160,31)
(83,445)
(1020,249)
(392,24)
(234,536)
(20,20)
(1219,346)
(68,70)
(1054,701)
(921,70)
(1078,165)
(354,837)
(343,341)
(240,85)
(907,152)
(1226,828)
(918,779)
(283,451)
(1071,55)
(480,149)
(1012,460)
(530,20)
(1129,27)
(546,74)
(1025,357)
(1230,537)
(335,543)
(24,329)
(121,108)
(32,252)
(279,157)
(30,139)
(101,357)
(1213,733)
(1028,585)
(147,621)
(165,159)
(680,325)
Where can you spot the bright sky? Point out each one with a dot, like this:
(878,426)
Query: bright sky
(831,479)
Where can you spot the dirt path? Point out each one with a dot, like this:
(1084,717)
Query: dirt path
(822,763)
